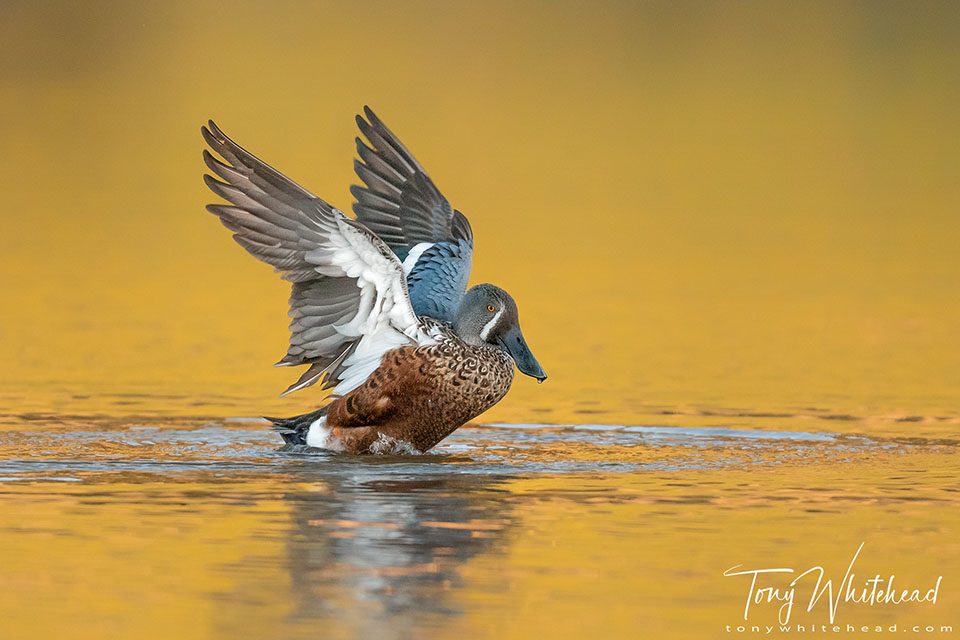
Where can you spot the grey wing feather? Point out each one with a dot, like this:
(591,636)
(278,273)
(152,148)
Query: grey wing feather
(400,203)
(306,241)
(272,214)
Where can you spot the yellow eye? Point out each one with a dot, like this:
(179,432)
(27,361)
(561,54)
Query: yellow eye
(490,307)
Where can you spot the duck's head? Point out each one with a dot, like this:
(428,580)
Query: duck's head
(488,315)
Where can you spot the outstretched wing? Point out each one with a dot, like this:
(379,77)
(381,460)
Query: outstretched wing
(349,303)
(405,209)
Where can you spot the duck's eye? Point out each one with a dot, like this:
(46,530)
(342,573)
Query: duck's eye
(490,308)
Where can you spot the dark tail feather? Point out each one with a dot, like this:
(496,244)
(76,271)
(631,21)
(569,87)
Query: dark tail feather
(294,430)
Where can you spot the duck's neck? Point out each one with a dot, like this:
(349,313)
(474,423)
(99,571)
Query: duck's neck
(467,332)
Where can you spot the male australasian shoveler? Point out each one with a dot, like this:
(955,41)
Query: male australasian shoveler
(379,309)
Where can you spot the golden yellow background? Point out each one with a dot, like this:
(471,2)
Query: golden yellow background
(710,214)
(750,205)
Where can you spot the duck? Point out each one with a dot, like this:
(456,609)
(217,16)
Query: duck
(380,310)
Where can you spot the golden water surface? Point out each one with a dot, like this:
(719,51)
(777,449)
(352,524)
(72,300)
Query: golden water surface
(732,232)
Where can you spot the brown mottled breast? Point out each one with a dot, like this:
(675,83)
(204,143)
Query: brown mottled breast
(422,394)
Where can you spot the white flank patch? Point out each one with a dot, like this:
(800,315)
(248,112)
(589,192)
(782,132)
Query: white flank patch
(385,445)
(321,436)
(487,328)
(411,260)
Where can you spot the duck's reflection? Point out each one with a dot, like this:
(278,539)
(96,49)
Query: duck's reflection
(377,546)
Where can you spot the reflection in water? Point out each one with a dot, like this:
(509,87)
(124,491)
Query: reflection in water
(389,546)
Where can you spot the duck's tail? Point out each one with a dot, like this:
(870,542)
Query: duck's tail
(294,430)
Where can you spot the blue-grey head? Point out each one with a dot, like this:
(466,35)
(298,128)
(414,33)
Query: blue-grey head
(488,315)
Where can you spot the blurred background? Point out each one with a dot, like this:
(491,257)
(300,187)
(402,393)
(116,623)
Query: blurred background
(707,212)
(741,216)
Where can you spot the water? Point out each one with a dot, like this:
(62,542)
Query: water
(170,448)
(207,527)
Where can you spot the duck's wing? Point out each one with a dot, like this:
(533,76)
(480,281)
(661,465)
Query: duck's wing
(401,204)
(349,303)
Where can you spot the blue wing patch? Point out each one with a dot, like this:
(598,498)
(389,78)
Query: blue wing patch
(438,279)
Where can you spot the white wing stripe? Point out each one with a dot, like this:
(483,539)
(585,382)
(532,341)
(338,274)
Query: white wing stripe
(411,260)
